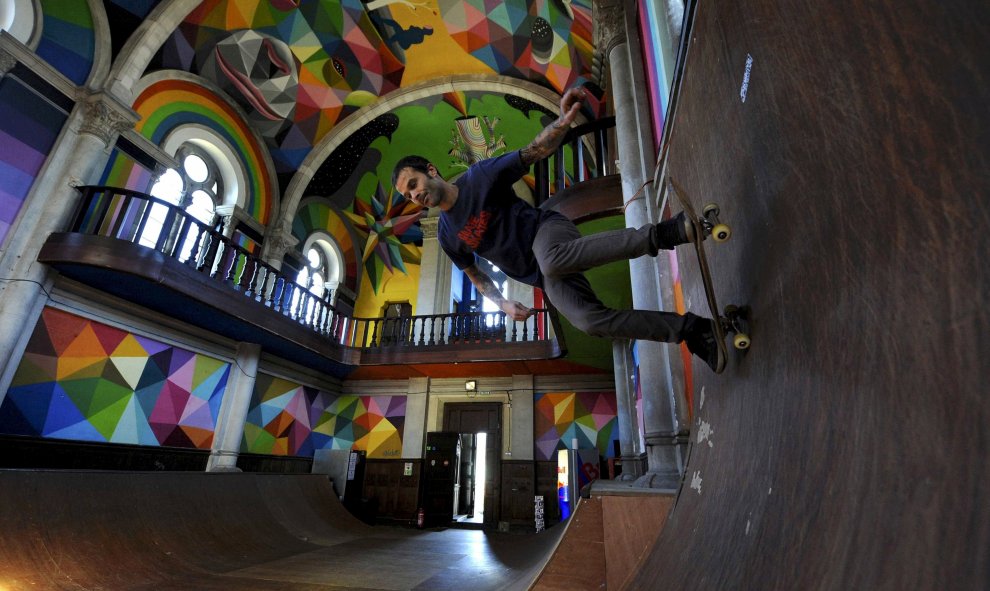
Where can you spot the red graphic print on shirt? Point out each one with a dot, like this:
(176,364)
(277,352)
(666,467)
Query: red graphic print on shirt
(474,229)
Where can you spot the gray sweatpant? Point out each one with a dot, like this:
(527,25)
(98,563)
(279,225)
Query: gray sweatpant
(563,255)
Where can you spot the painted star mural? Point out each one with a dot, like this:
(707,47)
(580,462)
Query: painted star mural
(389,224)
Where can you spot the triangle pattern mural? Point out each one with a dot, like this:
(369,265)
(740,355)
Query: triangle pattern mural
(561,417)
(287,418)
(84,380)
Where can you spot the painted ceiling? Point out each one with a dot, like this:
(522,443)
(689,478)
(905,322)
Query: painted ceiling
(299,68)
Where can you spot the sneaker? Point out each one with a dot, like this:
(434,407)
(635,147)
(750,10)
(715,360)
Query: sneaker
(699,334)
(677,230)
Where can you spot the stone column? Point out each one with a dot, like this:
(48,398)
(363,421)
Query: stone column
(228,215)
(78,159)
(520,409)
(618,37)
(434,273)
(278,242)
(234,410)
(625,400)
(414,430)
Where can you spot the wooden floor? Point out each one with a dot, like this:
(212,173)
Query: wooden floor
(849,147)
(198,531)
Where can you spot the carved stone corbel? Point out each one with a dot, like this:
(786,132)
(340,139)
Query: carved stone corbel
(105,118)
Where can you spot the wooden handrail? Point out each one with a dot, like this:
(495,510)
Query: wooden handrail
(592,152)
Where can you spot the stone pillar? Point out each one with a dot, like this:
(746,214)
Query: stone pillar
(234,410)
(434,273)
(625,401)
(78,159)
(520,408)
(278,242)
(228,215)
(414,430)
(618,38)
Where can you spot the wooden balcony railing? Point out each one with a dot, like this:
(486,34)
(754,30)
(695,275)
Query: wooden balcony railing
(209,258)
(592,156)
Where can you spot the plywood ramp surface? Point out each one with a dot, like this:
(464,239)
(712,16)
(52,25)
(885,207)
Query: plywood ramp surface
(848,145)
(197,531)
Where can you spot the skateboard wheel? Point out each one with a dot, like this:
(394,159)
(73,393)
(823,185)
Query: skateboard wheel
(721,233)
(741,341)
(710,209)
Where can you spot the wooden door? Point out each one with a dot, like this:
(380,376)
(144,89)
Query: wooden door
(477,417)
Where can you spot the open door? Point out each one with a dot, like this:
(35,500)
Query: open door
(481,424)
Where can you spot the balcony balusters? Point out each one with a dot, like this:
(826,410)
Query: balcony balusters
(125,215)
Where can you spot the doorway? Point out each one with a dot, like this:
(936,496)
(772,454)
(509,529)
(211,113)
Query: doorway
(480,427)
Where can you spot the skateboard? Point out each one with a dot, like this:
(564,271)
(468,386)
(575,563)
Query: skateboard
(734,318)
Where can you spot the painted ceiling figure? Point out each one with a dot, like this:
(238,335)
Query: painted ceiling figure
(532,39)
(259,72)
(297,67)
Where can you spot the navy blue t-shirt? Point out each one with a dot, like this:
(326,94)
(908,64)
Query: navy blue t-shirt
(489,220)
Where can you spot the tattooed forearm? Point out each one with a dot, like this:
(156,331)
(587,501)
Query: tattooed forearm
(486,287)
(551,137)
(545,144)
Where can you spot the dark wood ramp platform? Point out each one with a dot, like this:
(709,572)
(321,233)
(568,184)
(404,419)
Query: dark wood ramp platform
(179,530)
(848,145)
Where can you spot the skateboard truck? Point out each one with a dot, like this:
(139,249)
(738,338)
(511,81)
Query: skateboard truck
(713,227)
(735,319)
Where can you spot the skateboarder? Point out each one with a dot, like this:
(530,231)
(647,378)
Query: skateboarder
(482,216)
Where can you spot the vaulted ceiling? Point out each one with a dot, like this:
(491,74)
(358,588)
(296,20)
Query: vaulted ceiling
(320,81)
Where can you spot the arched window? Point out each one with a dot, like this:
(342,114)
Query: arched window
(195,187)
(313,275)
(322,269)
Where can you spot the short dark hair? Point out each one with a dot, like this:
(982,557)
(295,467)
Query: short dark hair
(412,161)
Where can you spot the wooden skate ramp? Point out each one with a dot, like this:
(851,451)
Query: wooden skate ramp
(849,448)
(182,530)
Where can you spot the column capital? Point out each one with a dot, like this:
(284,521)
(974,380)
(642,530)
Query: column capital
(429,227)
(106,118)
(609,18)
(278,242)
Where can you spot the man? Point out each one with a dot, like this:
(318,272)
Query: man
(482,216)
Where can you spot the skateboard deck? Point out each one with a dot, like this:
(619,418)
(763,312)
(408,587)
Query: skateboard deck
(733,318)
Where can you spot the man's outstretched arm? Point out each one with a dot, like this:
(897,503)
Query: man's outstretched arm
(487,288)
(547,142)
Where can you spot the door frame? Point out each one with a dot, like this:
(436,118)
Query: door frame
(465,417)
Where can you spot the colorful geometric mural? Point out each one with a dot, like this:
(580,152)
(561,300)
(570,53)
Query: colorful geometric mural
(392,233)
(67,38)
(123,172)
(546,41)
(169,104)
(83,380)
(28,131)
(304,65)
(539,40)
(287,418)
(561,417)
